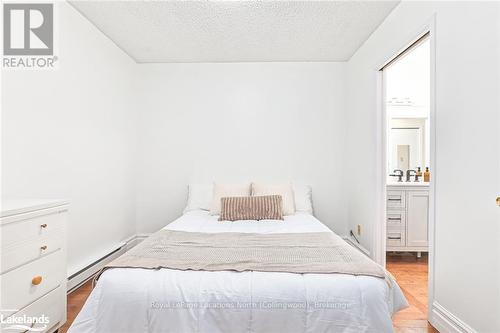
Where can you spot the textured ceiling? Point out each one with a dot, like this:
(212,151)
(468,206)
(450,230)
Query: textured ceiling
(237,31)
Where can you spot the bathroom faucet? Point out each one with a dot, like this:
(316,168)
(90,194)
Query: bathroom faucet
(398,173)
(409,174)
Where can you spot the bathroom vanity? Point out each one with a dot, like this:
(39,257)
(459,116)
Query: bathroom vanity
(407,217)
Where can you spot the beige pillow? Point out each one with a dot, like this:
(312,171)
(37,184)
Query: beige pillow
(251,208)
(227,190)
(285,190)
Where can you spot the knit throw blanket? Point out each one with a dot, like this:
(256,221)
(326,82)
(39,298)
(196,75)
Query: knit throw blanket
(317,252)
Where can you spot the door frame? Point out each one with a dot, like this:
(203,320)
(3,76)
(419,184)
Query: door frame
(379,230)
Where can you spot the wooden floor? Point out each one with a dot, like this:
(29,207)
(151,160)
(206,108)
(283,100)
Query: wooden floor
(411,274)
(75,303)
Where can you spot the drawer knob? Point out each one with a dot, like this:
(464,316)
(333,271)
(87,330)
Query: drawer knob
(36,280)
(43,225)
(43,248)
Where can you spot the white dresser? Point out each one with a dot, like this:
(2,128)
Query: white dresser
(407,217)
(33,264)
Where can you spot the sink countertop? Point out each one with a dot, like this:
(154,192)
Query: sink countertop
(412,184)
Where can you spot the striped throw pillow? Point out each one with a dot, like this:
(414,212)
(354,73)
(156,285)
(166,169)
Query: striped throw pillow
(268,207)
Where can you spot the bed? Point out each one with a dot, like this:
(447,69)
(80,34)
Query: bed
(169,300)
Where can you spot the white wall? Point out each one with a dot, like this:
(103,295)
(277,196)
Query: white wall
(414,64)
(239,121)
(69,133)
(467,262)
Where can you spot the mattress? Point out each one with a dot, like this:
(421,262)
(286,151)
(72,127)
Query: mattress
(167,300)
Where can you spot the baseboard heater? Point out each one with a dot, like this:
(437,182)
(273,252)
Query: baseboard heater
(78,278)
(86,273)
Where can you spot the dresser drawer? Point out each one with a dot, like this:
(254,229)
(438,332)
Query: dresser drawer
(24,240)
(48,311)
(396,219)
(17,288)
(18,255)
(396,200)
(396,237)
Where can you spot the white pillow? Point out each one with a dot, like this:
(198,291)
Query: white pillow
(303,198)
(227,190)
(285,190)
(199,197)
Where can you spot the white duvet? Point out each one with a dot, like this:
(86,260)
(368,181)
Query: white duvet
(166,300)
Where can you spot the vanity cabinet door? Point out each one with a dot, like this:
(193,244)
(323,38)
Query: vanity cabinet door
(417,218)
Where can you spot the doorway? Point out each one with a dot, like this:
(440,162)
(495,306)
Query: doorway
(407,157)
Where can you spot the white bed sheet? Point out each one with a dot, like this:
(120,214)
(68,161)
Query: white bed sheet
(166,300)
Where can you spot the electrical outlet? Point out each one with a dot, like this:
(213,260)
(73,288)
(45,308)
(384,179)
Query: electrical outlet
(359,229)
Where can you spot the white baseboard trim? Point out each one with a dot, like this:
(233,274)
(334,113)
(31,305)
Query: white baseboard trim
(351,241)
(444,321)
(83,275)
